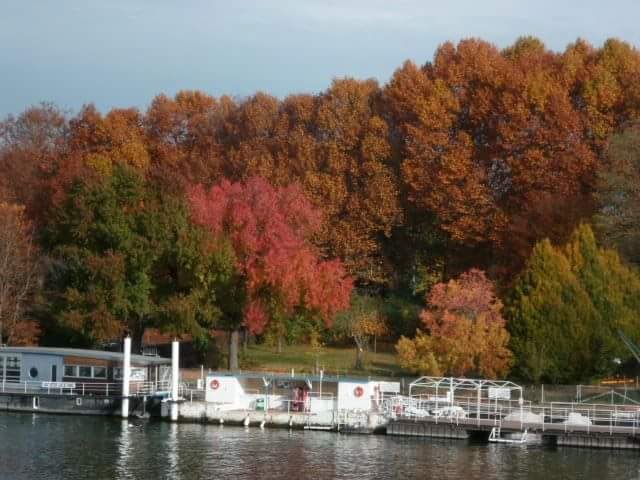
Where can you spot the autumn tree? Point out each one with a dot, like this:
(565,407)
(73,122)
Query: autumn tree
(31,146)
(618,195)
(185,137)
(336,145)
(487,136)
(20,269)
(353,179)
(269,229)
(103,141)
(603,84)
(464,334)
(361,323)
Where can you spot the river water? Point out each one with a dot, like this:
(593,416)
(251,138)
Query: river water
(72,447)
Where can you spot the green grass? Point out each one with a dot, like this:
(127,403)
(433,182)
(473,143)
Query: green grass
(332,360)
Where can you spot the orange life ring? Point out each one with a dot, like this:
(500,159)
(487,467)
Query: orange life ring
(215,384)
(358,391)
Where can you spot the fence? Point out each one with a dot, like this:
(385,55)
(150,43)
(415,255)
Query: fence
(610,394)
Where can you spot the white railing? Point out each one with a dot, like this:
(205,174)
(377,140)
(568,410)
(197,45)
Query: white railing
(84,389)
(556,416)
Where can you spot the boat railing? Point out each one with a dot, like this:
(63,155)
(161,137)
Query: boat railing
(136,388)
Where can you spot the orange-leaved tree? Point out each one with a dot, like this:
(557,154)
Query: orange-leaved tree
(19,272)
(465,332)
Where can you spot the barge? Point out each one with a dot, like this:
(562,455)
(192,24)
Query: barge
(77,381)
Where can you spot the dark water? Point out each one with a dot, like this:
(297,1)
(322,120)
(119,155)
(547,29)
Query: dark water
(61,447)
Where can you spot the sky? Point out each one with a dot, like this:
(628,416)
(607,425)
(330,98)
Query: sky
(120,53)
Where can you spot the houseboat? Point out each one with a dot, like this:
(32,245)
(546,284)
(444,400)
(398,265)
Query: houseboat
(303,401)
(67,380)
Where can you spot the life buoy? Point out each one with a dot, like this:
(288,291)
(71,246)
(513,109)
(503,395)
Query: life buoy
(215,384)
(358,391)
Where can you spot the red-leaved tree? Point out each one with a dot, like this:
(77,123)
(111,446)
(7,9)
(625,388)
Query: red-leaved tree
(269,229)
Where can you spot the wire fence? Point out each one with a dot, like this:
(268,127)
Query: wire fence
(622,394)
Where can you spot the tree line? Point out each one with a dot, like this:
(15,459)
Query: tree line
(467,189)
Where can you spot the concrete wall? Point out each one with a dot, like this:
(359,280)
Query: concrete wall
(73,404)
(422,429)
(212,413)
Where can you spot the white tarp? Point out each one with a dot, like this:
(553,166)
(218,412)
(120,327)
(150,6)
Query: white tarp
(389,387)
(500,393)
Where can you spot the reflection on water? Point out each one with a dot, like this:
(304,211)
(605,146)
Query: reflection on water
(70,447)
(124,451)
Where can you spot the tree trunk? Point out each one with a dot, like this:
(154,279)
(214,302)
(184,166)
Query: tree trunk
(279,344)
(245,340)
(137,333)
(234,337)
(359,358)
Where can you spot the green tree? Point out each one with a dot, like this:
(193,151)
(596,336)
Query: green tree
(614,291)
(550,317)
(125,259)
(362,322)
(566,308)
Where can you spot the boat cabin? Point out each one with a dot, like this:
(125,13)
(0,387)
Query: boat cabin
(296,393)
(45,364)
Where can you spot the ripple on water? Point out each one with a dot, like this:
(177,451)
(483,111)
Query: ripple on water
(69,447)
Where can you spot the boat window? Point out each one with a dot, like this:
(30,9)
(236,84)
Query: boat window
(85,371)
(10,368)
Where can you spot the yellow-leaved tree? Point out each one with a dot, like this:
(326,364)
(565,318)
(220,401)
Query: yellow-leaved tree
(464,333)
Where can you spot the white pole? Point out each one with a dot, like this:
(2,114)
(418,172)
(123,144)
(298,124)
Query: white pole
(175,372)
(521,402)
(126,376)
(451,391)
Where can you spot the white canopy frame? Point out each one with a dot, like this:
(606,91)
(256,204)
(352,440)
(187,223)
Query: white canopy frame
(451,384)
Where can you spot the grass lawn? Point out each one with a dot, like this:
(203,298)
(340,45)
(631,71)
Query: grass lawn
(332,360)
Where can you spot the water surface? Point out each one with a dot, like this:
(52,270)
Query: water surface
(72,447)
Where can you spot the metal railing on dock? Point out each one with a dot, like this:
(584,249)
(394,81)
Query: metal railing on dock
(553,417)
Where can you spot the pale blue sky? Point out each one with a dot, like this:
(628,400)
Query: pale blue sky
(123,52)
